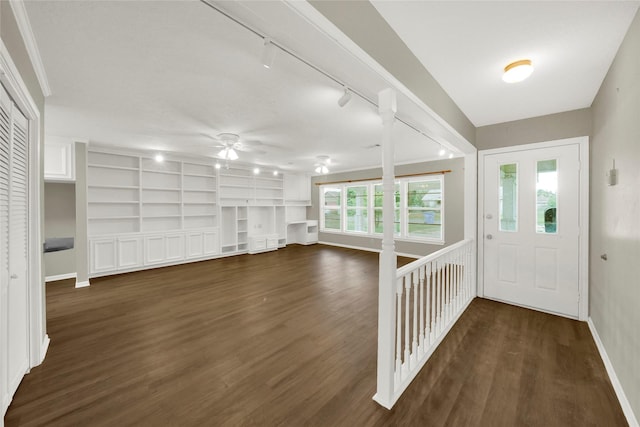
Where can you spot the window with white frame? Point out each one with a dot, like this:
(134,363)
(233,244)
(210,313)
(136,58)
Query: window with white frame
(358,208)
(377,209)
(424,209)
(332,208)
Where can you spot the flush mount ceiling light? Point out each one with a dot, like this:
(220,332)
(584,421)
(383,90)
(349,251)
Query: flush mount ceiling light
(268,53)
(345,98)
(517,71)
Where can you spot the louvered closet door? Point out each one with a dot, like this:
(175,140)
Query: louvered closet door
(5,130)
(18,331)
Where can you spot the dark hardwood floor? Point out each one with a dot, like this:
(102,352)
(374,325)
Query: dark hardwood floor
(289,338)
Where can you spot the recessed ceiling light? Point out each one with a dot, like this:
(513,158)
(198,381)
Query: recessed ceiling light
(256,171)
(217,165)
(275,173)
(159,158)
(517,71)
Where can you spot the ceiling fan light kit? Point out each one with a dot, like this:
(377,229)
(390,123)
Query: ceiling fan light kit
(517,71)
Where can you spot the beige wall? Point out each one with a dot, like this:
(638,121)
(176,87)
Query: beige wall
(615,215)
(59,221)
(569,124)
(362,23)
(453,206)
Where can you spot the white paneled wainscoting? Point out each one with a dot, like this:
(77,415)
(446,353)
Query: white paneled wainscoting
(430,295)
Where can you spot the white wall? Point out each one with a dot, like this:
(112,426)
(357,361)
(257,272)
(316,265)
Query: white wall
(615,215)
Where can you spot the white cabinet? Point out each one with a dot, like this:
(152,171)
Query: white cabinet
(129,252)
(174,247)
(59,160)
(263,242)
(133,251)
(154,249)
(211,243)
(302,232)
(297,189)
(103,255)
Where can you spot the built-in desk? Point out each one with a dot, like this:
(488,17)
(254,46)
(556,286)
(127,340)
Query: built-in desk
(303,232)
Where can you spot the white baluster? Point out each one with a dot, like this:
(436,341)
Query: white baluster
(407,324)
(438,297)
(414,344)
(447,291)
(454,284)
(428,327)
(398,374)
(421,336)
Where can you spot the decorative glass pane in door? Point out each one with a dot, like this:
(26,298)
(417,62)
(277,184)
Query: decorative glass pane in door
(546,196)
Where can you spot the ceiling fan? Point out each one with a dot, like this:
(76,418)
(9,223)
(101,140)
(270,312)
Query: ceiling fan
(230,144)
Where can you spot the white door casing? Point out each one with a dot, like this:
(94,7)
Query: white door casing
(523,260)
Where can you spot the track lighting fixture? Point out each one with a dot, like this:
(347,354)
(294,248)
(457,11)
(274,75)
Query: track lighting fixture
(442,151)
(450,155)
(268,53)
(345,98)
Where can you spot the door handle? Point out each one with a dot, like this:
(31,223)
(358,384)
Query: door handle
(489,237)
(14,276)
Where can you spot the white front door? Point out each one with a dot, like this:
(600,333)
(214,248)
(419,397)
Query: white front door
(531,228)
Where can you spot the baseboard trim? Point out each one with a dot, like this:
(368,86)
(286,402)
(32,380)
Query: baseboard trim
(57,277)
(362,248)
(82,284)
(617,387)
(44,347)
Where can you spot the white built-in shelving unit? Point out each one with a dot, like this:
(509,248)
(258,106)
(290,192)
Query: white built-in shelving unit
(143,213)
(241,187)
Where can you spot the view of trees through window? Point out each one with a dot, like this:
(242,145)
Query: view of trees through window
(358,208)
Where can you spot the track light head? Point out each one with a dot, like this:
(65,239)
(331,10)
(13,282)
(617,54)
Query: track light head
(345,98)
(268,53)
(442,151)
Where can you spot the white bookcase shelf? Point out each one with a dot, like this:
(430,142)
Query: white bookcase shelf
(134,193)
(143,213)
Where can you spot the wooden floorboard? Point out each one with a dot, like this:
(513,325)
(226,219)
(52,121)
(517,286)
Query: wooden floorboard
(289,338)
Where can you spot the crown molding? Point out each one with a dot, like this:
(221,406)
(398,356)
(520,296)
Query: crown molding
(24,25)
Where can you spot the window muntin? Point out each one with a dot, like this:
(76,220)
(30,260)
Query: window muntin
(508,197)
(546,196)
